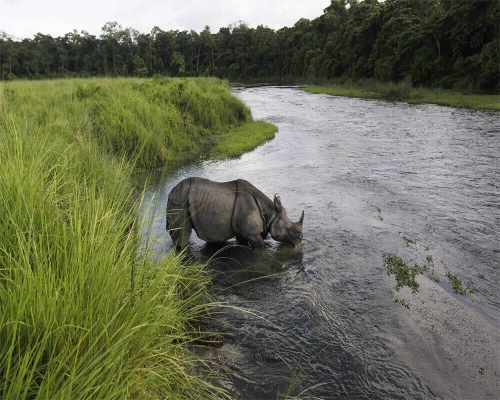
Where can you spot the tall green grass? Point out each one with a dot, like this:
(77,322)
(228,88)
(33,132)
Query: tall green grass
(85,312)
(150,122)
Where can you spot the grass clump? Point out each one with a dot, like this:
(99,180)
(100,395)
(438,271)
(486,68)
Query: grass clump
(243,139)
(85,312)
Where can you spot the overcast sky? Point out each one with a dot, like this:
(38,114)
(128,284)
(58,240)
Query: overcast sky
(25,18)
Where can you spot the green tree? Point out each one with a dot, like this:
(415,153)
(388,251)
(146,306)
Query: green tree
(209,47)
(178,63)
(8,59)
(139,67)
(473,29)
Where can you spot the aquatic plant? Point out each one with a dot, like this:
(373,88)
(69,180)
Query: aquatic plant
(409,241)
(405,275)
(457,284)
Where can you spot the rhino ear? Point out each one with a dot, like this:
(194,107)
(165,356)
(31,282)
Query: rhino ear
(277,204)
(301,220)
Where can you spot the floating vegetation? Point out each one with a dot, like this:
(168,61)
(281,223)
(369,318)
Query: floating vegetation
(432,276)
(404,274)
(379,210)
(409,241)
(403,302)
(457,284)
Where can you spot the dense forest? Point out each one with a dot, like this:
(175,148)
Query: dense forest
(445,43)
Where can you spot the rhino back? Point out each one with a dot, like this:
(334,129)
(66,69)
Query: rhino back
(179,194)
(211,207)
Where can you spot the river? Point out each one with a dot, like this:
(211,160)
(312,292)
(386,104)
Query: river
(373,177)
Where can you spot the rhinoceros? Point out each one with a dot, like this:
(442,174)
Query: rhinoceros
(219,211)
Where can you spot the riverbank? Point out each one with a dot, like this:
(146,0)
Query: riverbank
(86,309)
(403,91)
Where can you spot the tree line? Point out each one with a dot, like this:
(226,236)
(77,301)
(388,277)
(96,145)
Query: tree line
(445,43)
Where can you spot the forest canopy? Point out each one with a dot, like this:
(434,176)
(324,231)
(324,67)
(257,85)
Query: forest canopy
(444,43)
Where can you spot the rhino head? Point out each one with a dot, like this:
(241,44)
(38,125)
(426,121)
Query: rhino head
(282,228)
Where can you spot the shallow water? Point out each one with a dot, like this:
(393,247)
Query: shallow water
(323,321)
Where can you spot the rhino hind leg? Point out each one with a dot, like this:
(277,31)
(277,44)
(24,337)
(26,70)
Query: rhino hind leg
(179,224)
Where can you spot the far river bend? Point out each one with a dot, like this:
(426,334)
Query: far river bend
(324,322)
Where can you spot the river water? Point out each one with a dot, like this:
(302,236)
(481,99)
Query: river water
(421,182)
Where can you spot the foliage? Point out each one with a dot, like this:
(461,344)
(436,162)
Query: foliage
(457,284)
(84,311)
(443,43)
(243,139)
(404,274)
(147,121)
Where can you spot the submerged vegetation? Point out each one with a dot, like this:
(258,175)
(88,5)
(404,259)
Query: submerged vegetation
(405,274)
(457,284)
(85,310)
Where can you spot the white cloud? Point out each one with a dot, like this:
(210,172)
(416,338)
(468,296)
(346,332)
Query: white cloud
(24,18)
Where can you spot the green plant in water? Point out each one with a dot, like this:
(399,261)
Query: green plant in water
(405,303)
(432,276)
(409,241)
(404,274)
(457,284)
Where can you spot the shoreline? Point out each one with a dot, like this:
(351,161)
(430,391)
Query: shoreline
(400,92)
(70,150)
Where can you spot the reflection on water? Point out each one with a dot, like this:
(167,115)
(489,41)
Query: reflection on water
(322,320)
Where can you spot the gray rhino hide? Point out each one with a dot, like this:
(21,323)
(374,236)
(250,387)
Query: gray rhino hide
(219,211)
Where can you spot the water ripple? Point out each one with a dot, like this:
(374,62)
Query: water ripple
(366,172)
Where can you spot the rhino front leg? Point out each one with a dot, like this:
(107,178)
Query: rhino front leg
(256,240)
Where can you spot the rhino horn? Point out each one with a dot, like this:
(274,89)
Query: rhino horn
(277,204)
(301,220)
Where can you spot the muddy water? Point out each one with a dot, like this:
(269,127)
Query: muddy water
(323,321)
